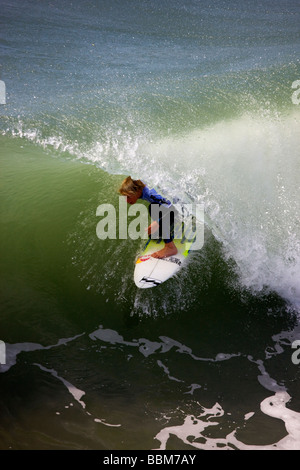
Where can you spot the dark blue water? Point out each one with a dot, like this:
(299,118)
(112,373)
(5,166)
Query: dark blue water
(200,100)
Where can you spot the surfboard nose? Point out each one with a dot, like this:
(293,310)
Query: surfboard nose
(151,272)
(146,282)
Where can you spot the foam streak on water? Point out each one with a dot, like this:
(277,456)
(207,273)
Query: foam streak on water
(194,429)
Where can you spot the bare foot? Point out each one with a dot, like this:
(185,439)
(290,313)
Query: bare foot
(169,250)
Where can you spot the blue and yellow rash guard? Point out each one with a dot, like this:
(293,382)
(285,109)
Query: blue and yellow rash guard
(153,197)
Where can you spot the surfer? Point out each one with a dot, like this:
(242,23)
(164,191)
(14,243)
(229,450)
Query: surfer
(136,189)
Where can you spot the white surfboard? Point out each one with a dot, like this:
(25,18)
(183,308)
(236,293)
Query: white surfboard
(151,272)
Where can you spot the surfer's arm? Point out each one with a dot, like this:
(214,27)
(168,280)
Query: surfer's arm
(153,227)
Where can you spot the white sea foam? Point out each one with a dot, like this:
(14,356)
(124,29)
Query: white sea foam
(193,429)
(75,392)
(147,347)
(13,350)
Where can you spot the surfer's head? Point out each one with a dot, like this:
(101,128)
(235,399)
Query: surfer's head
(132,189)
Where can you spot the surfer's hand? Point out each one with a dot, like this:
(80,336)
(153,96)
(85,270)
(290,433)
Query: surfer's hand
(153,227)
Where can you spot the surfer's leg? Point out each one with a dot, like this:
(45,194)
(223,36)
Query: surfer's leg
(170,247)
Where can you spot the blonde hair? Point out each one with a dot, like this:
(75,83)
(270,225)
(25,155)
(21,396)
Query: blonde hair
(129,187)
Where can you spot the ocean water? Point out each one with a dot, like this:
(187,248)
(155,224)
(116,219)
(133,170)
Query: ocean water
(200,100)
